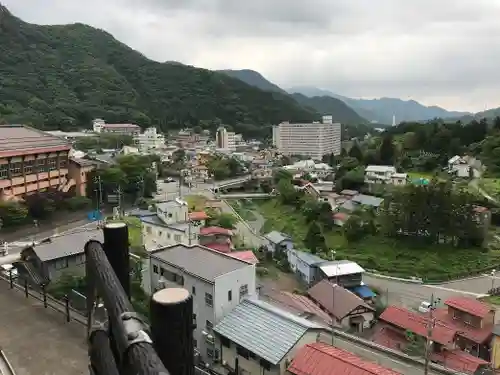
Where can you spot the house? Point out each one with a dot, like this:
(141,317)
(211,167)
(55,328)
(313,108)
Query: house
(345,308)
(340,218)
(262,337)
(495,347)
(217,282)
(245,255)
(278,241)
(48,260)
(461,332)
(304,264)
(216,238)
(299,305)
(321,359)
(200,172)
(342,272)
(170,224)
(464,166)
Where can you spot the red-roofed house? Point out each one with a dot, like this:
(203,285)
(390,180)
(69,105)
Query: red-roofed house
(247,256)
(198,216)
(323,359)
(459,361)
(216,238)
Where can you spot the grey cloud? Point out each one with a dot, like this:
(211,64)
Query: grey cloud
(446,51)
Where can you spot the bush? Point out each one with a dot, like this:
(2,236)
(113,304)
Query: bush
(78,203)
(13,214)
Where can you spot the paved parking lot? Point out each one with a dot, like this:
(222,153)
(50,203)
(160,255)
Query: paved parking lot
(38,340)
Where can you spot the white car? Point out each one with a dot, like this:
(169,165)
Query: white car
(424,307)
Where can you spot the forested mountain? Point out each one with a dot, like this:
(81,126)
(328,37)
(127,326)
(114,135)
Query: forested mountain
(253,78)
(326,105)
(64,76)
(381,110)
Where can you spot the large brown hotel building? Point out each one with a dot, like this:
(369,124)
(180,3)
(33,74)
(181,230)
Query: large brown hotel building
(32,160)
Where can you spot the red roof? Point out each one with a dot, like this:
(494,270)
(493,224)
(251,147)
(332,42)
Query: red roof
(476,334)
(300,304)
(323,359)
(340,216)
(199,215)
(389,337)
(220,247)
(247,256)
(212,231)
(469,305)
(458,360)
(418,324)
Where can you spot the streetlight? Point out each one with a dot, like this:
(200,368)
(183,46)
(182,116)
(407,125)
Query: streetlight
(492,274)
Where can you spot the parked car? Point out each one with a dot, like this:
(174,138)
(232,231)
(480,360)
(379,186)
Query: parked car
(168,180)
(424,307)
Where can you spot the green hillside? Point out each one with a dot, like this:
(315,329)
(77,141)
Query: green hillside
(64,76)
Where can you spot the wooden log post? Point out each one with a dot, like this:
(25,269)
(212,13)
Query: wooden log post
(136,354)
(172,329)
(116,248)
(102,360)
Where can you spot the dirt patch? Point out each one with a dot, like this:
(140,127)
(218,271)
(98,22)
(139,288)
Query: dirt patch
(277,280)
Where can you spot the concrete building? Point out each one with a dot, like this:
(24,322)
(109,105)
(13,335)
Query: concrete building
(99,126)
(225,140)
(263,337)
(384,174)
(32,160)
(314,140)
(218,282)
(149,140)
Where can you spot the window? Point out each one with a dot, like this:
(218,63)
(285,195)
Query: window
(162,271)
(15,169)
(242,352)
(265,365)
(61,263)
(210,352)
(4,171)
(209,326)
(243,290)
(195,343)
(28,166)
(52,164)
(225,341)
(159,233)
(155,268)
(169,215)
(230,295)
(149,230)
(193,291)
(63,162)
(209,300)
(41,165)
(177,238)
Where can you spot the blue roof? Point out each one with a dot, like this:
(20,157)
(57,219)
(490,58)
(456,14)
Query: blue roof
(363,291)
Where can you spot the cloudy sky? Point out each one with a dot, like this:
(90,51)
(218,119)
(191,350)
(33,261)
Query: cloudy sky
(444,52)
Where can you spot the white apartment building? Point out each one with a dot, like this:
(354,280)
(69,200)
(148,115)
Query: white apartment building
(314,140)
(218,282)
(149,140)
(225,140)
(99,126)
(170,225)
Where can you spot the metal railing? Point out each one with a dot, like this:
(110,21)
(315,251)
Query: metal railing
(5,366)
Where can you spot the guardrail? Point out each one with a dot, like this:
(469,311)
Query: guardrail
(5,366)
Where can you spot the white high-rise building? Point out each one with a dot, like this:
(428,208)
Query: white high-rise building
(314,140)
(225,140)
(149,140)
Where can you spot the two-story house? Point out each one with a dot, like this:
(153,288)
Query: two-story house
(171,224)
(261,338)
(217,282)
(304,264)
(216,238)
(384,174)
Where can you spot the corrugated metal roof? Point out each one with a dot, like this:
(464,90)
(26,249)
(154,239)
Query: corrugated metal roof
(308,258)
(68,243)
(340,268)
(276,237)
(323,359)
(199,260)
(265,330)
(367,200)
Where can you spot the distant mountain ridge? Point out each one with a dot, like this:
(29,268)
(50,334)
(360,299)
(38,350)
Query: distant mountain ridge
(383,109)
(323,104)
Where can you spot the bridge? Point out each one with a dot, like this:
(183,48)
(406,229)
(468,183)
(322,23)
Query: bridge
(232,182)
(245,196)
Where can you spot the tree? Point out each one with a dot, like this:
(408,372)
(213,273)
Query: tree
(314,240)
(224,220)
(355,152)
(353,228)
(387,151)
(282,174)
(13,214)
(496,123)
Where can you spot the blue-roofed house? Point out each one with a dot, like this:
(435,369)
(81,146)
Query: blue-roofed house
(304,265)
(278,241)
(263,338)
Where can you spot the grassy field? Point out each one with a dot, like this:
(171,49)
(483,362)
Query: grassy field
(491,186)
(244,208)
(134,230)
(383,254)
(492,300)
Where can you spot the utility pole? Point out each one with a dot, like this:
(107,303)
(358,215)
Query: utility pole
(428,343)
(98,190)
(140,184)
(119,193)
(334,254)
(181,177)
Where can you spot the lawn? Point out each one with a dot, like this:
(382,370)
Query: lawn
(490,186)
(196,202)
(492,300)
(383,254)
